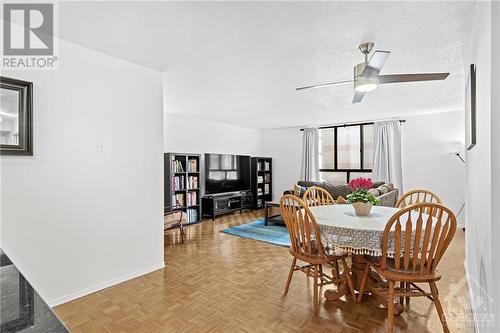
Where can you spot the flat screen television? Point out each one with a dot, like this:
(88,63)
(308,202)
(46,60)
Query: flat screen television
(226,173)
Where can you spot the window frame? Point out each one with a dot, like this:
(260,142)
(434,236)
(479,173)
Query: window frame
(335,150)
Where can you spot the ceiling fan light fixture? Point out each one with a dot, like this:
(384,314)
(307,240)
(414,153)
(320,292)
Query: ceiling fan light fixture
(365,84)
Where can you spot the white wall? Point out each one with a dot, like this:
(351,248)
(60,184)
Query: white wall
(478,234)
(428,143)
(76,220)
(495,156)
(285,147)
(185,134)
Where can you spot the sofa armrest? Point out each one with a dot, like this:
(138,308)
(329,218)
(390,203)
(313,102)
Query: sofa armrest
(390,198)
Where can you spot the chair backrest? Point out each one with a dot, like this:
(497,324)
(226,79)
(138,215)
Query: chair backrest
(418,236)
(417,196)
(317,196)
(302,227)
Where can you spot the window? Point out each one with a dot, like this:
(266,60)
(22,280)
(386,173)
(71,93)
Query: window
(345,152)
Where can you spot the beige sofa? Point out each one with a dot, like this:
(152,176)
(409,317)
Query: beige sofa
(386,193)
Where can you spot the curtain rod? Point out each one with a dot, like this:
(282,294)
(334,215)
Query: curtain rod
(353,124)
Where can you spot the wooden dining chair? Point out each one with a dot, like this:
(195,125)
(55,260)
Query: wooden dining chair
(174,218)
(417,196)
(413,244)
(317,196)
(306,246)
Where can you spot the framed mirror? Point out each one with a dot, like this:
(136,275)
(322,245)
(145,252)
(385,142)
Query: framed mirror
(16,103)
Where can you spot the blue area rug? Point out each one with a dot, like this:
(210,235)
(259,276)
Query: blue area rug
(273,234)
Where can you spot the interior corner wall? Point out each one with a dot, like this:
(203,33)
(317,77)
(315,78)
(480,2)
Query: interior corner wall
(74,219)
(187,134)
(495,152)
(429,143)
(285,147)
(478,223)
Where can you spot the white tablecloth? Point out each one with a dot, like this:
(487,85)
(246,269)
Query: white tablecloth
(340,227)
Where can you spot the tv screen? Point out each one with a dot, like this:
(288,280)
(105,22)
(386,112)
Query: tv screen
(226,173)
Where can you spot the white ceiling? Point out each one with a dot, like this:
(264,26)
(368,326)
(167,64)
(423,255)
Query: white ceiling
(240,62)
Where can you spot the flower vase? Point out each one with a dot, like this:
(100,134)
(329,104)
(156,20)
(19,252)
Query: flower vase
(362,208)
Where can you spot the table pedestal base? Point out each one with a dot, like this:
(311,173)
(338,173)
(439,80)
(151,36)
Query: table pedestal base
(373,285)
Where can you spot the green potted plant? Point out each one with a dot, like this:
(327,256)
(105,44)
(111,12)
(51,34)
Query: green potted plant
(360,198)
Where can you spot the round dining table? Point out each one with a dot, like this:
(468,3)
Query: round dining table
(342,229)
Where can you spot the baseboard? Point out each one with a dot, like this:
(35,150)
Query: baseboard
(104,285)
(470,293)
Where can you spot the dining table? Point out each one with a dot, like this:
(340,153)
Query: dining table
(340,228)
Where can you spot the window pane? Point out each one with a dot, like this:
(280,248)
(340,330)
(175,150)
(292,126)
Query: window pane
(348,146)
(326,147)
(355,175)
(368,147)
(336,178)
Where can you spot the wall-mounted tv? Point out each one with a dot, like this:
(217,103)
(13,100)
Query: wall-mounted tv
(226,173)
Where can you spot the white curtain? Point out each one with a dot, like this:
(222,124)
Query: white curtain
(310,157)
(387,153)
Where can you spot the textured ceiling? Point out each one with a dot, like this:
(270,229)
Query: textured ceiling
(240,62)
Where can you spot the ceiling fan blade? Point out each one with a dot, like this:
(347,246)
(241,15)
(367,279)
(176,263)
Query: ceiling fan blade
(358,96)
(396,78)
(325,84)
(375,64)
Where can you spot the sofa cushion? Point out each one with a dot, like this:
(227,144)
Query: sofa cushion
(374,192)
(299,191)
(337,190)
(377,184)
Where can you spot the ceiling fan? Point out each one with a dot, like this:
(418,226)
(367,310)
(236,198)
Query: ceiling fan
(367,74)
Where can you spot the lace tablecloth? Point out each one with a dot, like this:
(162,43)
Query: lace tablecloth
(340,227)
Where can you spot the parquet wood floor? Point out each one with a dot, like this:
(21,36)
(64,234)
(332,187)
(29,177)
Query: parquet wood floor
(222,283)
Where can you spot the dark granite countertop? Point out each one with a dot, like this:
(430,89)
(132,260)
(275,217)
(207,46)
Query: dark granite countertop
(22,309)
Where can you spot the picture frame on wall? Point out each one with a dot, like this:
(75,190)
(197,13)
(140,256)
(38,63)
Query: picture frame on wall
(470,108)
(16,126)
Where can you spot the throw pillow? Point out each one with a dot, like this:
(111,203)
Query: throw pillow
(383,189)
(299,191)
(374,191)
(341,200)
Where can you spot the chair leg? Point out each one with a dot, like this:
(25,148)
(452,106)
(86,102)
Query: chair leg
(363,282)
(402,288)
(290,274)
(315,290)
(336,274)
(347,273)
(181,228)
(439,308)
(407,298)
(390,307)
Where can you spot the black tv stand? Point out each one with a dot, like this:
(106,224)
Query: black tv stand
(225,203)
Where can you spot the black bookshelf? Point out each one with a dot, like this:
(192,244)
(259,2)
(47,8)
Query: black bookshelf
(182,184)
(262,180)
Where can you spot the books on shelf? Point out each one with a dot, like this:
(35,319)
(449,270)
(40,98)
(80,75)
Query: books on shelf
(259,202)
(263,166)
(192,215)
(192,182)
(191,198)
(259,191)
(177,183)
(267,178)
(178,199)
(266,188)
(192,165)
(260,179)
(176,165)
